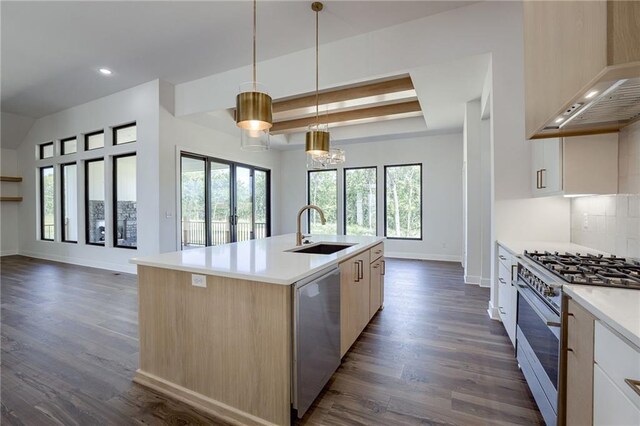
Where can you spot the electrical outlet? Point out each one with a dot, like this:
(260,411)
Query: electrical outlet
(199,280)
(585,221)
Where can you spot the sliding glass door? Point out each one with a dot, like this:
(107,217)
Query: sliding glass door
(222,201)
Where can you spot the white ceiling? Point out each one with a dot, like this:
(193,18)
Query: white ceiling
(51,50)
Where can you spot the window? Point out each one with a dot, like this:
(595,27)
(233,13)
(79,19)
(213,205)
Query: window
(403,201)
(125,215)
(360,192)
(46,150)
(94,202)
(68,146)
(69,185)
(94,140)
(222,201)
(322,190)
(47,204)
(124,134)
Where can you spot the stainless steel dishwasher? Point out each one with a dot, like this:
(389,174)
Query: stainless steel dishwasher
(316,336)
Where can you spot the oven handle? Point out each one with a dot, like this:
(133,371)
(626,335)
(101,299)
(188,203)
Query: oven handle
(550,322)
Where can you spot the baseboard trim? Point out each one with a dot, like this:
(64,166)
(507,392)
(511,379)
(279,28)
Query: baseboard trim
(493,312)
(197,400)
(472,279)
(9,253)
(423,256)
(485,282)
(109,266)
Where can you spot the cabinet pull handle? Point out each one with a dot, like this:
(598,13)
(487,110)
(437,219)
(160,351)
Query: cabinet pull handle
(502,257)
(361,270)
(513,267)
(502,310)
(537,179)
(542,184)
(357,271)
(384,267)
(635,385)
(501,280)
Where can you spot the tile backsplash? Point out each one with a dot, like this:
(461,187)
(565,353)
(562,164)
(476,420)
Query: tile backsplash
(609,223)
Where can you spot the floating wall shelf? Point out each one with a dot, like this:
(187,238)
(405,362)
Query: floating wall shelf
(10,179)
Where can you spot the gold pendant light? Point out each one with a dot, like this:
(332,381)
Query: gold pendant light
(317,137)
(253,107)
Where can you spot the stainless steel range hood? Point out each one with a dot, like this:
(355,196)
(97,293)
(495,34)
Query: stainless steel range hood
(607,106)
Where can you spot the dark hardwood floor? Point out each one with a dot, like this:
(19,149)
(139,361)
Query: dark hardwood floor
(69,349)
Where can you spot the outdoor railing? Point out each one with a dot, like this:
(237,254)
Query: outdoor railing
(194,232)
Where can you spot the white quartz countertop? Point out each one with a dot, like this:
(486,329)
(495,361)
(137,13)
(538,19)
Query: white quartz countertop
(616,307)
(265,260)
(518,247)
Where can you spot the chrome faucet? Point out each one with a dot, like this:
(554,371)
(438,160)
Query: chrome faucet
(299,235)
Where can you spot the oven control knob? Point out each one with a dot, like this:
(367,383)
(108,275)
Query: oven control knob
(549,291)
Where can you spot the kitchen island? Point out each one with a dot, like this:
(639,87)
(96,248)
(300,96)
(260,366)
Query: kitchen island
(217,325)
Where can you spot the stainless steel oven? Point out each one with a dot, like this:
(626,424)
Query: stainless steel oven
(538,341)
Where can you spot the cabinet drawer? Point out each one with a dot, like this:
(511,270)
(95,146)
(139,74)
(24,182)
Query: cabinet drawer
(619,360)
(504,256)
(611,406)
(376,252)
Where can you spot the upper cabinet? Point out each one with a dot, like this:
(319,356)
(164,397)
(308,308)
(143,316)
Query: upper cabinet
(582,66)
(578,165)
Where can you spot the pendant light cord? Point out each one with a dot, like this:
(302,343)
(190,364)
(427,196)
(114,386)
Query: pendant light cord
(317,78)
(255,24)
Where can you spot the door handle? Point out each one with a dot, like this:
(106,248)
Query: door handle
(634,384)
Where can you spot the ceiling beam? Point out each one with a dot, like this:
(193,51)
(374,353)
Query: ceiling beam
(345,116)
(345,93)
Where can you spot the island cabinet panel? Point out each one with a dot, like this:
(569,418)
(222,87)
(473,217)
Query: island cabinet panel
(225,348)
(579,356)
(354,299)
(376,286)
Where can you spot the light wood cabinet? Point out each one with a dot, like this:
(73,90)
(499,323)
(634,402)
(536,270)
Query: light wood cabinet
(354,299)
(569,48)
(575,165)
(579,355)
(376,287)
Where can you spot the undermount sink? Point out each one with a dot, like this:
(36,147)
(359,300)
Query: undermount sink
(322,248)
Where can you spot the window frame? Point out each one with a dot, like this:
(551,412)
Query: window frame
(309,196)
(114,140)
(62,141)
(388,166)
(41,171)
(62,200)
(41,148)
(86,202)
(344,196)
(88,135)
(114,197)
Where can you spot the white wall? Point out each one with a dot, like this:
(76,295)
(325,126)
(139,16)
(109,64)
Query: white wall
(441,157)
(139,104)
(9,215)
(179,134)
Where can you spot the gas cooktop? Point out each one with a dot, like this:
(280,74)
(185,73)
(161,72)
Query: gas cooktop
(608,271)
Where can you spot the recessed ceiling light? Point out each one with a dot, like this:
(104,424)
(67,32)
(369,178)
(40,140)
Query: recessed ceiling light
(559,120)
(591,94)
(105,71)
